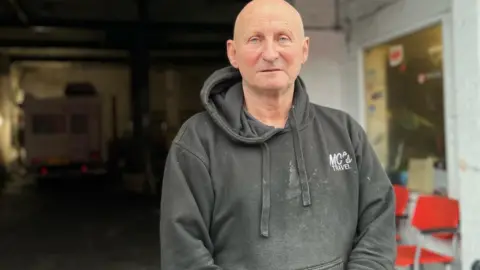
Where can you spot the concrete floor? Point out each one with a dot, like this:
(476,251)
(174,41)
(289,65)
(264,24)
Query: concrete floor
(80,225)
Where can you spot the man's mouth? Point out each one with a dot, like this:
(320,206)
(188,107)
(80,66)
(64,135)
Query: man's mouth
(271,70)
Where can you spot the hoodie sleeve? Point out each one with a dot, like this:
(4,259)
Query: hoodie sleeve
(374,245)
(186,207)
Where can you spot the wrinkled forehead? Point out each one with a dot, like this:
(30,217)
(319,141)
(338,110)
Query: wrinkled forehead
(267,26)
(268,23)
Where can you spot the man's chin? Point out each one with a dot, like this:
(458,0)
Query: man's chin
(273,87)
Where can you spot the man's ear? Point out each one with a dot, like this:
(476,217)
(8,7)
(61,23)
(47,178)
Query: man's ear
(306,49)
(231,53)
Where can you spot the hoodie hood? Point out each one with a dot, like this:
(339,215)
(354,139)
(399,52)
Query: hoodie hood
(222,97)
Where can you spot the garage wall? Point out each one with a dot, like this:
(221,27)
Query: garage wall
(8,114)
(6,111)
(175,94)
(189,80)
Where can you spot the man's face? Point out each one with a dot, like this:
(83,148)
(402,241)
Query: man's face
(269,49)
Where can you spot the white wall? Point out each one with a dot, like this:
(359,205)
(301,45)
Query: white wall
(323,71)
(466,128)
(324,68)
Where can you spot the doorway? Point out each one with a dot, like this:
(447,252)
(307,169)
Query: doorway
(404,97)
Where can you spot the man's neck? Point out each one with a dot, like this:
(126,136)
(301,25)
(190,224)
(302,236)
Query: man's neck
(272,109)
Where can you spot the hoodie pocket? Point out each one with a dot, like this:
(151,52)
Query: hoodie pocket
(336,264)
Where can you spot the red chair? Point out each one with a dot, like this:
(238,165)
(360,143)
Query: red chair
(434,216)
(401,202)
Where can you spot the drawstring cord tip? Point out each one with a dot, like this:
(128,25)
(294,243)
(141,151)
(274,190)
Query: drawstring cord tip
(306,199)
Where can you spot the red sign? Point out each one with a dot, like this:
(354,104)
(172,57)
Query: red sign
(396,55)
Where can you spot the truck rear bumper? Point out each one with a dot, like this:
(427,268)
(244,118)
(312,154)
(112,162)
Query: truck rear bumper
(67,171)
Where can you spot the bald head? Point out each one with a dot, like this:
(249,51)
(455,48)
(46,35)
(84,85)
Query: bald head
(269,46)
(258,10)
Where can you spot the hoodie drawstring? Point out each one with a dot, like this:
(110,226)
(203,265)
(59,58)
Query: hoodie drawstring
(265,216)
(302,173)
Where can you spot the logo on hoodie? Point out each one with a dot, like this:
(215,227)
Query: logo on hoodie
(340,161)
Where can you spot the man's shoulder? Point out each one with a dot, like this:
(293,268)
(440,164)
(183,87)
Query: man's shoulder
(337,119)
(331,113)
(195,131)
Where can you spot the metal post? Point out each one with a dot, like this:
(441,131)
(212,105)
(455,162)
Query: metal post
(140,66)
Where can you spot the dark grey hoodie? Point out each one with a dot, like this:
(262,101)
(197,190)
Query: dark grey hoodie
(239,195)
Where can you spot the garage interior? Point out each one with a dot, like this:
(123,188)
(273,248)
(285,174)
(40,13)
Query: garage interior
(146,60)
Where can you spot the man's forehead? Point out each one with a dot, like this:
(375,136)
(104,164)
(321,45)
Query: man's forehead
(266,24)
(264,13)
(273,28)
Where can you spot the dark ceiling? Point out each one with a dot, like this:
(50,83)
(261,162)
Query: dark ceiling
(169,29)
(180,26)
(111,10)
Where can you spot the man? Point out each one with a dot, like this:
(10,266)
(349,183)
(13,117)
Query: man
(266,180)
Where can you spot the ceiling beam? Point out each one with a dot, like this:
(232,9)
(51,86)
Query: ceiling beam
(155,36)
(53,36)
(159,27)
(112,45)
(50,43)
(57,58)
(159,60)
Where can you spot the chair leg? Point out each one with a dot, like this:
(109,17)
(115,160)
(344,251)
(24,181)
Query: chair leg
(419,267)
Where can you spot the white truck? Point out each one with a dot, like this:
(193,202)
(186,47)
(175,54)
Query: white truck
(63,136)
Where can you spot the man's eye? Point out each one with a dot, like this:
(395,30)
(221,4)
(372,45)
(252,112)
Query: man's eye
(284,39)
(254,40)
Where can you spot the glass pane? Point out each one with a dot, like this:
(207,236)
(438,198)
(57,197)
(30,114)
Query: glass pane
(404,98)
(48,123)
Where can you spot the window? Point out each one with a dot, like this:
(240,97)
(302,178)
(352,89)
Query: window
(79,124)
(48,124)
(404,98)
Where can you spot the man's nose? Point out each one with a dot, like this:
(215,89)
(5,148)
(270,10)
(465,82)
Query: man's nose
(270,52)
